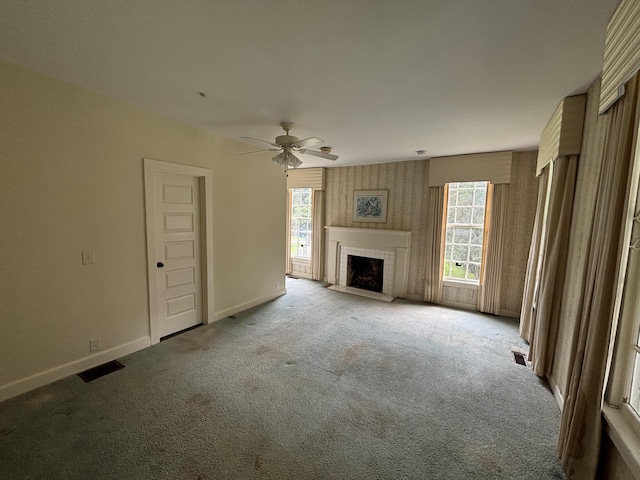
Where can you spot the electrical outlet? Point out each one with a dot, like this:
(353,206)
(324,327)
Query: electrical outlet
(88,257)
(277,285)
(94,344)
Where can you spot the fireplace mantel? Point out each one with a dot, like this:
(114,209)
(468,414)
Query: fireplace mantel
(396,241)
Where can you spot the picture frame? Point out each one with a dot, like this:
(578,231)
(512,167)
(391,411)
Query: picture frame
(370,206)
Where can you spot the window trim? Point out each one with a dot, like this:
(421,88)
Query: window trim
(622,423)
(297,258)
(464,282)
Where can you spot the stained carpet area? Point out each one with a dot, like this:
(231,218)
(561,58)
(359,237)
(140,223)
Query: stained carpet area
(317,384)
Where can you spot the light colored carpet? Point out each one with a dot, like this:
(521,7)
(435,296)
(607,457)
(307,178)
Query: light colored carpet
(317,384)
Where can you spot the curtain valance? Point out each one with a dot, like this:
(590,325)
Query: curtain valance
(494,167)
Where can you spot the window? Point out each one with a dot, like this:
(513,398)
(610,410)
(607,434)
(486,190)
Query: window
(301,222)
(464,231)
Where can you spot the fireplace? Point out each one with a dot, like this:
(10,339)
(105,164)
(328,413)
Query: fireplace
(391,247)
(365,273)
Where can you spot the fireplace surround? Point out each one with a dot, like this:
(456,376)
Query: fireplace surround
(391,246)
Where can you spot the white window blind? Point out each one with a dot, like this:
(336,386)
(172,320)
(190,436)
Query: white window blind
(306,178)
(494,167)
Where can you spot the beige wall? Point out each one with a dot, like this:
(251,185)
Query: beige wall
(521,213)
(71,178)
(407,183)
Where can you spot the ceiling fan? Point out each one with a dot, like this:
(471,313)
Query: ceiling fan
(287,144)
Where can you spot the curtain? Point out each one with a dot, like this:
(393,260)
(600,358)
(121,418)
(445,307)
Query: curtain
(551,279)
(317,212)
(288,234)
(538,241)
(490,279)
(435,229)
(581,423)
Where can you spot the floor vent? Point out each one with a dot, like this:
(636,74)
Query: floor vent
(100,371)
(519,358)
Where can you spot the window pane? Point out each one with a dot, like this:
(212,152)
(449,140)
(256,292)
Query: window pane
(464,230)
(458,270)
(451,215)
(475,254)
(634,399)
(461,235)
(480,197)
(474,271)
(477,218)
(465,197)
(476,236)
(301,222)
(460,253)
(452,197)
(449,235)
(463,216)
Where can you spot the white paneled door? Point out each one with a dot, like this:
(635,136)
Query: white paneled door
(177,240)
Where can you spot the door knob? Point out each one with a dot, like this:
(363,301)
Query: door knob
(159,264)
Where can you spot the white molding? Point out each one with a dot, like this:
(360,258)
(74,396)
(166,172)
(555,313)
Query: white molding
(18,387)
(416,298)
(374,238)
(247,305)
(206,226)
(460,284)
(464,306)
(557,394)
(624,437)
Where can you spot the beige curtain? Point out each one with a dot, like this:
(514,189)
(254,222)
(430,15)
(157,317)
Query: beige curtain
(490,280)
(288,234)
(534,264)
(581,424)
(435,231)
(317,257)
(551,279)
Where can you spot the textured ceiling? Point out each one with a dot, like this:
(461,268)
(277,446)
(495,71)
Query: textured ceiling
(376,79)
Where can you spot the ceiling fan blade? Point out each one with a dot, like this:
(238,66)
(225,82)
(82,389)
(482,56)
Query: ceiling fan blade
(326,156)
(306,142)
(262,141)
(260,151)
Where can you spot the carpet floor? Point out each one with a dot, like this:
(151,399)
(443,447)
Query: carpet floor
(316,384)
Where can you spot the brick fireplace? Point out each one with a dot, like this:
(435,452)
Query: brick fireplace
(389,246)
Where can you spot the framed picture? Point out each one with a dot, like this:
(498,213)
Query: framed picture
(370,206)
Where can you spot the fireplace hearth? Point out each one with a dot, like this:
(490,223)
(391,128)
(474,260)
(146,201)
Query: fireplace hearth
(365,273)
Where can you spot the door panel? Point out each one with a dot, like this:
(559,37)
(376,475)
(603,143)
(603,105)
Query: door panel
(177,237)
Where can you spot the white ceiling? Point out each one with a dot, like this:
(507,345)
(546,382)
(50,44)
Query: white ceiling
(377,79)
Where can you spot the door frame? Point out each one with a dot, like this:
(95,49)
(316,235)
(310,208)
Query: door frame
(205,178)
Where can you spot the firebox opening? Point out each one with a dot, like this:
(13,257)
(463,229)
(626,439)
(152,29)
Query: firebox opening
(365,273)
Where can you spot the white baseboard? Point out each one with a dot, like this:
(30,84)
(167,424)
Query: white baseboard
(557,394)
(464,306)
(18,387)
(417,298)
(247,305)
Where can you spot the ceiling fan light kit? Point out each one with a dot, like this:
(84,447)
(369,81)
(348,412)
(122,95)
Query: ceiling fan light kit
(288,144)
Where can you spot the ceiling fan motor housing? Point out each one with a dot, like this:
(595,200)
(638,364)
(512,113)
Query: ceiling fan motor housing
(286,140)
